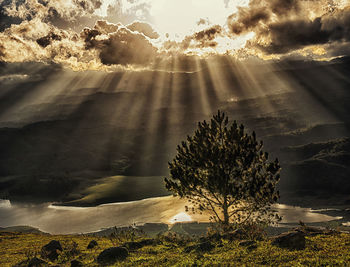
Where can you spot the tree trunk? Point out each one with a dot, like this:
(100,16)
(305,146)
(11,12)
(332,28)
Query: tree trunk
(226,216)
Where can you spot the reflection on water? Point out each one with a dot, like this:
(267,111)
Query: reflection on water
(65,220)
(181,217)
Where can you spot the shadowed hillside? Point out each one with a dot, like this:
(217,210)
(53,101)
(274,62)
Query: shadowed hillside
(56,146)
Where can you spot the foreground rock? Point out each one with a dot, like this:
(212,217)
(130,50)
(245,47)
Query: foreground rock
(112,255)
(92,244)
(294,240)
(313,231)
(76,263)
(139,244)
(51,250)
(201,247)
(36,262)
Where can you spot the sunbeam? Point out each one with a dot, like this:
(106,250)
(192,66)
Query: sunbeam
(115,113)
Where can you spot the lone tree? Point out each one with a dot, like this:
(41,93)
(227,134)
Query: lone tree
(223,171)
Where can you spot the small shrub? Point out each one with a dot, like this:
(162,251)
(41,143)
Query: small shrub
(119,236)
(70,251)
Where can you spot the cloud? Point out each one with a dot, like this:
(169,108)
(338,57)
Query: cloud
(126,47)
(247,19)
(118,44)
(203,39)
(45,9)
(64,14)
(68,32)
(103,45)
(284,26)
(47,40)
(143,27)
(295,34)
(36,36)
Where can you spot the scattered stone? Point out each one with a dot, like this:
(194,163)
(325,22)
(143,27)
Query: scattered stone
(147,242)
(247,243)
(76,263)
(132,245)
(234,235)
(201,247)
(313,231)
(50,250)
(92,244)
(290,240)
(140,244)
(112,255)
(36,262)
(53,245)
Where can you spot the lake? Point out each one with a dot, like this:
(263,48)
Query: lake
(67,220)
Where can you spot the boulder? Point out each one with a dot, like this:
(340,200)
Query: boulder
(132,245)
(294,240)
(140,244)
(234,235)
(53,245)
(36,262)
(313,231)
(201,247)
(76,263)
(51,250)
(92,244)
(112,255)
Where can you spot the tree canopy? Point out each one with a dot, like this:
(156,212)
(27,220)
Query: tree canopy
(223,171)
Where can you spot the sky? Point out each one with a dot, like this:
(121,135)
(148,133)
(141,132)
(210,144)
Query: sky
(128,34)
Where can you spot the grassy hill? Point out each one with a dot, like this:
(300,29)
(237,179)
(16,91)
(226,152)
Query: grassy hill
(321,250)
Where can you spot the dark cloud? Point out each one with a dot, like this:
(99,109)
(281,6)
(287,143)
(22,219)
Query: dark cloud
(247,19)
(283,26)
(295,34)
(69,32)
(68,9)
(118,44)
(47,40)
(201,39)
(94,48)
(283,7)
(44,33)
(260,11)
(126,47)
(61,13)
(143,27)
(206,38)
(208,34)
(291,35)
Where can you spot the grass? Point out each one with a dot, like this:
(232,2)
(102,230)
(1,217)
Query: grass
(322,250)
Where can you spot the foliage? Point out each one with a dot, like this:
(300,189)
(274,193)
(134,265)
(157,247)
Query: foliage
(70,250)
(223,171)
(120,236)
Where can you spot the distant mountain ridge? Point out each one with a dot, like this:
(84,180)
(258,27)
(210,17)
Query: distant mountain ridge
(131,127)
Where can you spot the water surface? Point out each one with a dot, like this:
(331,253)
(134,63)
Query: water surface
(66,220)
